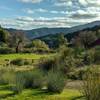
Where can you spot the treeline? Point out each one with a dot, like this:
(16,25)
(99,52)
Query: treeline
(17,42)
(83,38)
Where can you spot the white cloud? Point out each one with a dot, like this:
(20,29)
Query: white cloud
(54,12)
(77,12)
(41,10)
(83,2)
(30,23)
(32,11)
(31,1)
(27,23)
(28,10)
(63,3)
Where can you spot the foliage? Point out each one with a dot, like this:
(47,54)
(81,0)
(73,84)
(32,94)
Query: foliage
(4,35)
(62,40)
(97,55)
(19,82)
(38,79)
(77,74)
(46,64)
(56,82)
(20,62)
(40,44)
(17,41)
(6,50)
(6,76)
(84,38)
(91,85)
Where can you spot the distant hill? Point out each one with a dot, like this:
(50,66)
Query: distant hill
(40,32)
(44,32)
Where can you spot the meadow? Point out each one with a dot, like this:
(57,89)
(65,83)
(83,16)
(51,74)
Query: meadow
(35,71)
(36,94)
(33,94)
(5,58)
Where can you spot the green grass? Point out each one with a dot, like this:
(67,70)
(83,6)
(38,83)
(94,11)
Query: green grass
(36,94)
(4,57)
(5,91)
(67,94)
(23,56)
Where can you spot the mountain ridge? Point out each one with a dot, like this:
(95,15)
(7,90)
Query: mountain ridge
(40,32)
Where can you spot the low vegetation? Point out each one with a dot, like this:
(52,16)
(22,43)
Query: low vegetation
(32,69)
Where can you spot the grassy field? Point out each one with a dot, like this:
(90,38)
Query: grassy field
(5,57)
(69,93)
(23,56)
(34,94)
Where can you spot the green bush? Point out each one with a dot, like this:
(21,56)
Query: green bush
(6,76)
(56,82)
(77,74)
(38,79)
(19,82)
(6,50)
(18,62)
(27,79)
(46,64)
(28,76)
(2,44)
(27,62)
(27,50)
(21,62)
(97,55)
(2,72)
(91,85)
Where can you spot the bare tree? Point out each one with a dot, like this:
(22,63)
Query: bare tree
(17,40)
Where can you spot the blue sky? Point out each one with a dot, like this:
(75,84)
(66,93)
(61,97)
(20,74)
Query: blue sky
(29,14)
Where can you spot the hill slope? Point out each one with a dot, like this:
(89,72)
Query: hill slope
(41,32)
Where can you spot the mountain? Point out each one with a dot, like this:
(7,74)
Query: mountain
(41,32)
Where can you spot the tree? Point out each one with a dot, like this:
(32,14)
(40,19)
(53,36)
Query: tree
(4,35)
(17,40)
(39,44)
(62,40)
(87,37)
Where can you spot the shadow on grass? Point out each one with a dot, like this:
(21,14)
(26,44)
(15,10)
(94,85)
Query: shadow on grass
(43,93)
(6,91)
(6,95)
(78,98)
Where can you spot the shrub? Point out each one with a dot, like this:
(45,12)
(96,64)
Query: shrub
(28,79)
(6,50)
(27,50)
(97,55)
(6,76)
(2,72)
(38,79)
(77,74)
(18,62)
(46,64)
(19,82)
(56,82)
(91,85)
(2,44)
(27,62)
(21,62)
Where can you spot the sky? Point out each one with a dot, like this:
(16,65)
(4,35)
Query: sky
(31,14)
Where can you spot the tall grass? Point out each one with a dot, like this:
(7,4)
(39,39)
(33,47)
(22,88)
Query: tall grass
(91,85)
(56,82)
